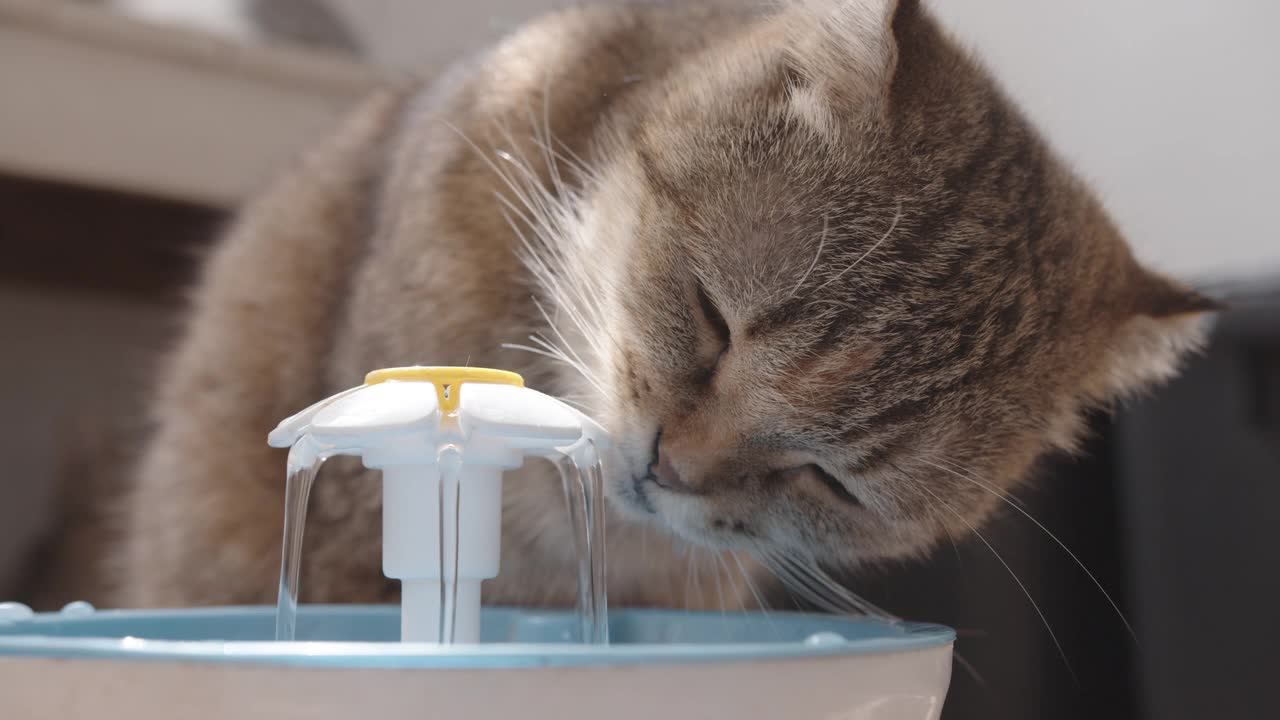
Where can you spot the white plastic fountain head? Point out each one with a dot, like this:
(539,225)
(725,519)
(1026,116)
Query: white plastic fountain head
(442,438)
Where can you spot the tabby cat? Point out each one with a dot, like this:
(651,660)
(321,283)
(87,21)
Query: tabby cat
(829,290)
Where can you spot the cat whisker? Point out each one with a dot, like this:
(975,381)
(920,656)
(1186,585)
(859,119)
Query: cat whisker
(581,324)
(543,342)
(970,670)
(969,473)
(782,566)
(581,173)
(546,216)
(578,160)
(831,595)
(577,294)
(576,404)
(797,586)
(892,226)
(567,347)
(722,572)
(899,502)
(557,356)
(951,538)
(823,580)
(546,205)
(698,574)
(508,210)
(520,192)
(750,584)
(544,130)
(540,269)
(715,570)
(822,242)
(644,545)
(1035,606)
(566,155)
(1097,583)
(688,574)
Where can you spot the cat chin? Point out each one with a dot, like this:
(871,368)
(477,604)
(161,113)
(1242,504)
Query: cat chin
(693,525)
(631,508)
(630,499)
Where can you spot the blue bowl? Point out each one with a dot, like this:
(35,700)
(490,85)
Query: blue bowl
(367,636)
(216,663)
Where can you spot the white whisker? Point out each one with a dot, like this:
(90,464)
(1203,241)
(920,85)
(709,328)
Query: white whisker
(822,242)
(819,588)
(896,217)
(761,605)
(751,586)
(1048,628)
(715,556)
(543,222)
(970,670)
(1097,583)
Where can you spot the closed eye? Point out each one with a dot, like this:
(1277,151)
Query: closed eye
(833,484)
(874,458)
(714,341)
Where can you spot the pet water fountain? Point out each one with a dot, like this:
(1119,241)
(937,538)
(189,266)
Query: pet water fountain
(442,438)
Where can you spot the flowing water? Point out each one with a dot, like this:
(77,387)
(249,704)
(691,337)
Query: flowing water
(299,478)
(449,460)
(575,498)
(583,482)
(597,612)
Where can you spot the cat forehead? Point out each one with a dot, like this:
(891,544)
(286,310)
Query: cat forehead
(756,143)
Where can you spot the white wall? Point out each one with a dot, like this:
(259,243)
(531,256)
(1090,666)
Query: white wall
(1170,107)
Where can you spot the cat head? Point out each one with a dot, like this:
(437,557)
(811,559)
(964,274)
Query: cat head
(843,295)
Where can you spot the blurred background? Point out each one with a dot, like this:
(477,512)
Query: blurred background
(129,129)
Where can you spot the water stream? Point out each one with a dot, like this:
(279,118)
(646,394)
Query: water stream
(583,483)
(299,477)
(582,479)
(449,460)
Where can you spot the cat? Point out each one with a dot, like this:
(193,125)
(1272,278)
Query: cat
(829,290)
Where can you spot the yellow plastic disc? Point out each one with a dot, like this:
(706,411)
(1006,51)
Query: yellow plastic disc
(448,380)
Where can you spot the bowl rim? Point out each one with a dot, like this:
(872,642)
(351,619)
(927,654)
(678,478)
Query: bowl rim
(894,637)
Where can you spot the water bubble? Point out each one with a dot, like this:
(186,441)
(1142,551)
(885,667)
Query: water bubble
(14,612)
(824,639)
(79,608)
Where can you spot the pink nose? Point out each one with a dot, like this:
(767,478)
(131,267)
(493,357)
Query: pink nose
(665,473)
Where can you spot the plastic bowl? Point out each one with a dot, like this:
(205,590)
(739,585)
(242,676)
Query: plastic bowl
(220,663)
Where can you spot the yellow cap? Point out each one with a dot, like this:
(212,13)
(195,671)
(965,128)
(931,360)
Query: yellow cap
(446,379)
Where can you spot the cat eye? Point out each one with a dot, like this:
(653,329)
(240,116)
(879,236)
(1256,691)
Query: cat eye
(836,487)
(713,345)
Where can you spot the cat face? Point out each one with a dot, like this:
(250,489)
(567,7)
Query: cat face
(846,295)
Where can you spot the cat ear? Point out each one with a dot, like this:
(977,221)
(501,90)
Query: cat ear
(845,49)
(1165,322)
(1159,297)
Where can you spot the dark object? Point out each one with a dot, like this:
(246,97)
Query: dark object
(87,240)
(1174,508)
(1202,470)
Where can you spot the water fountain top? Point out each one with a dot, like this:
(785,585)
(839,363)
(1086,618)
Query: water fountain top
(442,437)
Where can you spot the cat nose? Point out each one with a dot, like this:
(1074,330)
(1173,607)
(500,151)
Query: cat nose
(665,473)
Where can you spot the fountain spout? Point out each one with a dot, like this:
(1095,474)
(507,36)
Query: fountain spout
(442,438)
